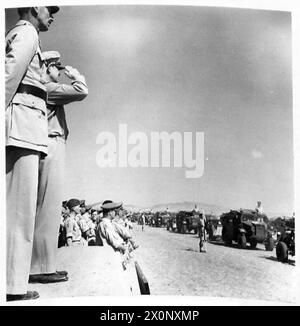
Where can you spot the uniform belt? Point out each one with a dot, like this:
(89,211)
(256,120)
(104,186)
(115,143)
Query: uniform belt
(33,90)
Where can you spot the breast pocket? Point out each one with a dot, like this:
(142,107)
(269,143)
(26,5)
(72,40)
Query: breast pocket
(29,120)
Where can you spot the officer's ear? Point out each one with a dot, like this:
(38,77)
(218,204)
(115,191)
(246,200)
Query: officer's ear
(34,11)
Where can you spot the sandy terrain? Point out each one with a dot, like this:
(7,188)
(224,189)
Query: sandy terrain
(174,266)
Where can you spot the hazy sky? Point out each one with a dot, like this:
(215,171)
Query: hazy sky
(224,72)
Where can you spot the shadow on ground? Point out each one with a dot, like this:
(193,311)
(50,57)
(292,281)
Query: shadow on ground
(234,245)
(190,249)
(289,262)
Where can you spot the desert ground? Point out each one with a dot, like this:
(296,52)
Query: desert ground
(173,266)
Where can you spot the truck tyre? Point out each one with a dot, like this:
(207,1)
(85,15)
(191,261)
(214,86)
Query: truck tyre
(282,252)
(269,244)
(242,242)
(253,242)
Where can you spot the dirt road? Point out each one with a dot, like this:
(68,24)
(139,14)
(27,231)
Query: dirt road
(173,266)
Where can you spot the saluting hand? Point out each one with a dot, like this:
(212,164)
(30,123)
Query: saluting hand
(71,72)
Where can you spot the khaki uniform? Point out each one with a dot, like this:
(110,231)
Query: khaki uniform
(51,173)
(25,114)
(116,236)
(108,231)
(72,230)
(26,140)
(202,235)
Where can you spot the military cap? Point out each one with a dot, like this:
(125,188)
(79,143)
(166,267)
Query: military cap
(107,201)
(109,205)
(53,9)
(72,203)
(52,58)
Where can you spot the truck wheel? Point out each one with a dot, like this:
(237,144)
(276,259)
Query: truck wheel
(269,245)
(282,252)
(242,242)
(253,242)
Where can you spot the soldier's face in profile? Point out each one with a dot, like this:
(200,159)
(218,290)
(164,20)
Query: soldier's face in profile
(44,18)
(112,214)
(76,209)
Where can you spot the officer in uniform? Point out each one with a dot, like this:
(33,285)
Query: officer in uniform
(202,233)
(51,179)
(108,230)
(143,221)
(26,141)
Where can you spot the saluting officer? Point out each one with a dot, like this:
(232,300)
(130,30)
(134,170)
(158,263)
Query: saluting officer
(26,141)
(52,167)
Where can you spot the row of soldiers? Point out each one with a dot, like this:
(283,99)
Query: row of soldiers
(78,225)
(110,224)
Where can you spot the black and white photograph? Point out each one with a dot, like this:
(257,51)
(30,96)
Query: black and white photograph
(149,154)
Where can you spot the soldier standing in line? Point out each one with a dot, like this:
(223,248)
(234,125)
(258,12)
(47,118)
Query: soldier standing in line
(73,232)
(26,141)
(112,230)
(52,168)
(107,228)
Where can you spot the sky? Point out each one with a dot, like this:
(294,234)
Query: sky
(226,73)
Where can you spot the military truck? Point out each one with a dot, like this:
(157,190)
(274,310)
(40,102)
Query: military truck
(187,221)
(182,221)
(245,226)
(165,216)
(286,245)
(171,223)
(157,220)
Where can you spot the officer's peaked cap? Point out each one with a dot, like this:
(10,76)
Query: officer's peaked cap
(53,9)
(107,201)
(52,57)
(109,205)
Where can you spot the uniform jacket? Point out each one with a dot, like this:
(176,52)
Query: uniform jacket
(25,114)
(121,230)
(58,96)
(72,229)
(108,232)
